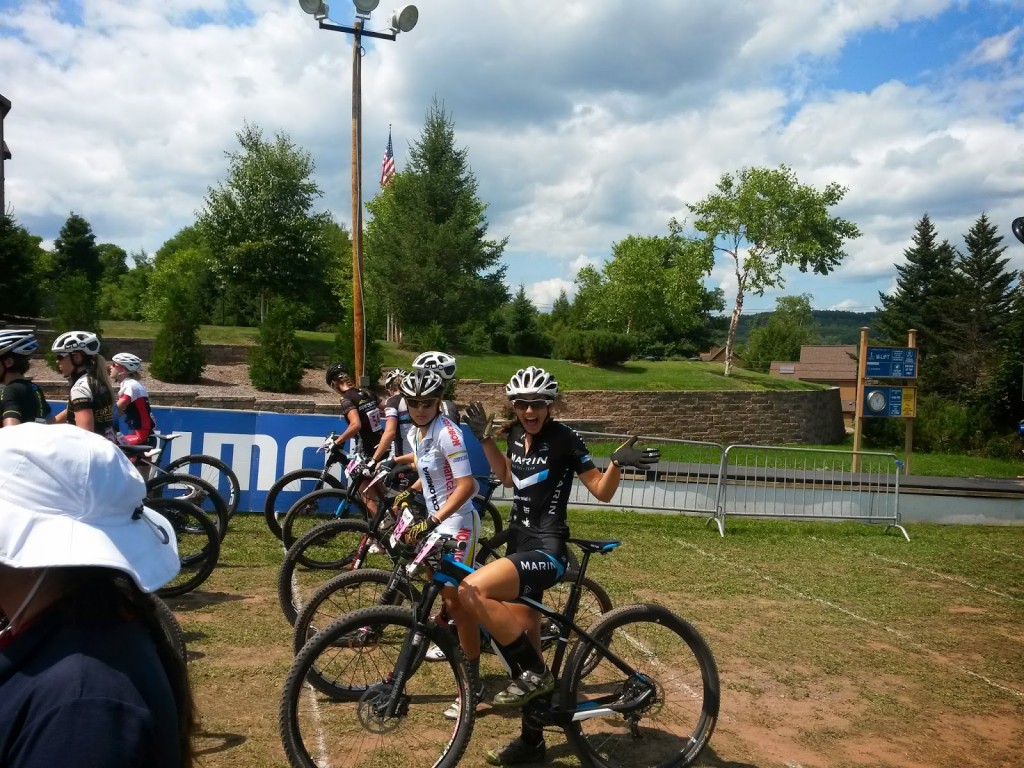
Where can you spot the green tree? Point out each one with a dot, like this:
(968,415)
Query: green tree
(76,306)
(260,225)
(178,354)
(125,298)
(178,283)
(427,252)
(787,329)
(523,329)
(275,363)
(652,290)
(20,255)
(765,220)
(981,311)
(926,288)
(114,265)
(75,251)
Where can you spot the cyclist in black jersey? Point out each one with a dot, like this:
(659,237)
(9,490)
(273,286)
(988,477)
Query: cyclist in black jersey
(364,420)
(20,399)
(543,456)
(91,400)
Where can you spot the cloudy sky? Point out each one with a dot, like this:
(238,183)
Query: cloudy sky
(585,120)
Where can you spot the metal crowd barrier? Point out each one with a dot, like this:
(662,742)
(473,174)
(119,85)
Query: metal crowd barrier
(809,484)
(754,481)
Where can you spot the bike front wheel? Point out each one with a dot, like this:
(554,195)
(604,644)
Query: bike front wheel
(348,592)
(290,488)
(317,508)
(663,712)
(332,705)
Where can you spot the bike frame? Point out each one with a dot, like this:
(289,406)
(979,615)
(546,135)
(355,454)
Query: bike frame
(450,572)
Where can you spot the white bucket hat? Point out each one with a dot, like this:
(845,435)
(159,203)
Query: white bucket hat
(69,497)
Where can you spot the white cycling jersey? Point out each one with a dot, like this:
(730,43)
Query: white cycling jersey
(441,459)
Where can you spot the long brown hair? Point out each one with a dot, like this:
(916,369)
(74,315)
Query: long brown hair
(92,593)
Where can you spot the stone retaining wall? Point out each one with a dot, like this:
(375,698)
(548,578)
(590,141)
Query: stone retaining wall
(812,417)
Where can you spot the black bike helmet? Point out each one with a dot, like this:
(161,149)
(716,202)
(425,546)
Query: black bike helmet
(334,372)
(423,383)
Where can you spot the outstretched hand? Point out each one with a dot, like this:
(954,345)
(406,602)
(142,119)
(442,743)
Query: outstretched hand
(628,456)
(479,422)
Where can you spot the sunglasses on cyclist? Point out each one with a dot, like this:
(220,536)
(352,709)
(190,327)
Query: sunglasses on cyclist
(421,403)
(62,355)
(522,405)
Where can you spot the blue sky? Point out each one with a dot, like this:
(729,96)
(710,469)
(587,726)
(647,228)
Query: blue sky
(583,125)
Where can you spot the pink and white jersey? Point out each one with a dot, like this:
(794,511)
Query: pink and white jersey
(441,458)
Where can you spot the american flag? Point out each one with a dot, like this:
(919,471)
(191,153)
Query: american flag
(387,165)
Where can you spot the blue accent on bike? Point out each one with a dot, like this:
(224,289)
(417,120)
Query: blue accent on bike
(610,546)
(442,578)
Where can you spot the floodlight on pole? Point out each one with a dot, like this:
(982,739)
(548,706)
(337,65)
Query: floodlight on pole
(405,18)
(402,20)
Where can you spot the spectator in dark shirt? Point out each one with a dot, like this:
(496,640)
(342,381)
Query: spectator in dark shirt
(87,676)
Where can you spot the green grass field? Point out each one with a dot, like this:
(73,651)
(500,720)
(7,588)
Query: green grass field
(837,645)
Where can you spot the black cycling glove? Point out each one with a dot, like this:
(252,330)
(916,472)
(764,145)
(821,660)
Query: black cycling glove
(628,456)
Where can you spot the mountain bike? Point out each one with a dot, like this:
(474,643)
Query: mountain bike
(293,485)
(639,688)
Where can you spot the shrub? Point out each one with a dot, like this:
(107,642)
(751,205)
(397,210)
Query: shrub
(944,427)
(177,351)
(570,346)
(607,348)
(275,363)
(530,342)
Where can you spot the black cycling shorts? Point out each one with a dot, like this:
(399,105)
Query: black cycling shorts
(538,570)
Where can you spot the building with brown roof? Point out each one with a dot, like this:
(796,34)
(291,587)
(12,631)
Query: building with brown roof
(5,153)
(831,364)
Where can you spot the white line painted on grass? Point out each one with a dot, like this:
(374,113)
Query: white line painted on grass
(828,604)
(1016,555)
(955,579)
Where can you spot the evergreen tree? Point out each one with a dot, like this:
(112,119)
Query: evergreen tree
(926,287)
(75,251)
(178,355)
(275,363)
(426,247)
(20,256)
(981,310)
(522,328)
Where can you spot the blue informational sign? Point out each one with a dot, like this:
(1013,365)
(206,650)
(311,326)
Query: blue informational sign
(891,363)
(890,401)
(260,446)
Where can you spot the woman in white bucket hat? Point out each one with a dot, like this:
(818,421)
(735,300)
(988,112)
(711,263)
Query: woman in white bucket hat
(87,677)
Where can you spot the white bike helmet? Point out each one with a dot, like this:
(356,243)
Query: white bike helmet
(394,375)
(77,341)
(441,362)
(425,383)
(128,360)
(532,382)
(18,342)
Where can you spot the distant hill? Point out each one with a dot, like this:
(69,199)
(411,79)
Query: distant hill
(834,326)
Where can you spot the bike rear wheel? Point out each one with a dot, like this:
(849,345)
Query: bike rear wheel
(290,488)
(317,508)
(212,470)
(664,713)
(333,716)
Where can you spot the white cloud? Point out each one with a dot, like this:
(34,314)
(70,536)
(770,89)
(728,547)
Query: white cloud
(581,130)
